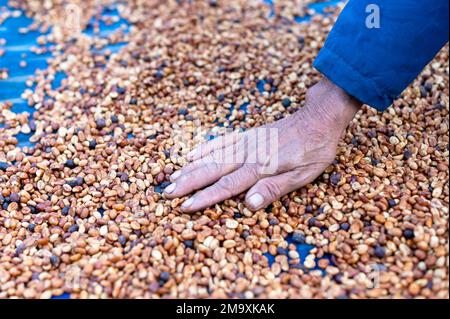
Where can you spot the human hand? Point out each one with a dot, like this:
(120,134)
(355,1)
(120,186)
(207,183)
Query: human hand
(301,147)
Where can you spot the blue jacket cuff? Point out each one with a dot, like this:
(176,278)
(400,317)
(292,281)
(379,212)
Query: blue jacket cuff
(347,77)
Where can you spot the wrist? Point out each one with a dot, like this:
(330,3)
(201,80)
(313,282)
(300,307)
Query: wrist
(328,104)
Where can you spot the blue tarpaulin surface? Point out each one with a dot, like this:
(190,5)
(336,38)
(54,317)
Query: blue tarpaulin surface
(18,48)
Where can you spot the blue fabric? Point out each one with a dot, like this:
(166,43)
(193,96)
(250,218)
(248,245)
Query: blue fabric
(375,65)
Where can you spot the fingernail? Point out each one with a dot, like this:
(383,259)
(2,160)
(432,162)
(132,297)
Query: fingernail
(188,203)
(256,200)
(175,175)
(169,189)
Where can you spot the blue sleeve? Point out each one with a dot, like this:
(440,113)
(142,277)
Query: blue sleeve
(375,63)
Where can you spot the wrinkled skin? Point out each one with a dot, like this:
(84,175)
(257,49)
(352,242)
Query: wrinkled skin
(307,143)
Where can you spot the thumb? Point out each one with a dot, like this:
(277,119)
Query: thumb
(268,190)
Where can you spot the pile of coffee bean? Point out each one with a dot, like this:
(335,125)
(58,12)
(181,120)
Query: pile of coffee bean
(82,210)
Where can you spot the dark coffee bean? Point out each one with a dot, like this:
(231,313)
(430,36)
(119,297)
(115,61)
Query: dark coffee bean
(73,228)
(79,181)
(182,111)
(408,233)
(245,234)
(133,101)
(14,197)
(54,260)
(282,251)
(33,209)
(335,178)
(189,243)
(159,75)
(158,189)
(237,215)
(4,166)
(423,91)
(221,98)
(92,144)
(309,209)
(70,164)
(438,106)
(120,90)
(390,132)
(312,222)
(273,221)
(338,278)
(124,177)
(164,276)
(72,183)
(31,227)
(32,125)
(372,134)
(298,238)
(114,119)
(286,102)
(100,123)
(299,266)
(345,226)
(20,249)
(407,154)
(379,251)
(392,202)
(122,240)
(65,210)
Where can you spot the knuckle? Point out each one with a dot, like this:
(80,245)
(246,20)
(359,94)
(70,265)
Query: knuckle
(272,189)
(251,171)
(227,184)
